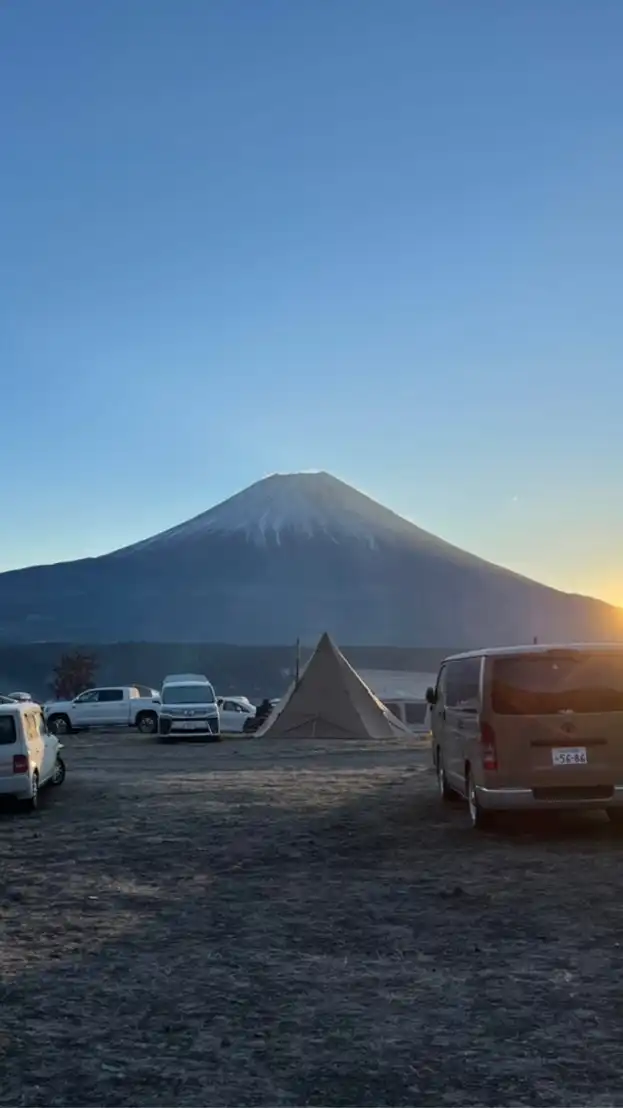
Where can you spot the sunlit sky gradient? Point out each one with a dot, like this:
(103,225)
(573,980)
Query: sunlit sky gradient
(382,239)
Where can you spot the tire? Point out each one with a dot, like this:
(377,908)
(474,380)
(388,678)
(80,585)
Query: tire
(32,803)
(147,723)
(59,725)
(615,815)
(59,773)
(480,819)
(445,792)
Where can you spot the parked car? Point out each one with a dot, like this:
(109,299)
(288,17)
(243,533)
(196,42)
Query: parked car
(526,728)
(29,755)
(23,696)
(189,709)
(117,706)
(413,713)
(234,711)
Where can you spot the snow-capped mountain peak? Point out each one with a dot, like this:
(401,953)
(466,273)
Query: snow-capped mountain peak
(294,504)
(288,558)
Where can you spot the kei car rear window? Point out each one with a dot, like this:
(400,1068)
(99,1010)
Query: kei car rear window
(8,734)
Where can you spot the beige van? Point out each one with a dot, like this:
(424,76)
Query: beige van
(535,727)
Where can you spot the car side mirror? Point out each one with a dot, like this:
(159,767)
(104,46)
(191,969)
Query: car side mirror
(431,696)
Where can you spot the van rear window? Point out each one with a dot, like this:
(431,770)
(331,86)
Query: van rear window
(8,733)
(549,683)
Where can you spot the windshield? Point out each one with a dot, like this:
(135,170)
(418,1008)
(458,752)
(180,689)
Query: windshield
(188,694)
(546,684)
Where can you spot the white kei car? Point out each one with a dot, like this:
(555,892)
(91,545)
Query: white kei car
(233,712)
(29,755)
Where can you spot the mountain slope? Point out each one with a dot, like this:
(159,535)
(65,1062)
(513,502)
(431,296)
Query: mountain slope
(293,555)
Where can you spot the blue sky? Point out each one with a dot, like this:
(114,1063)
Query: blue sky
(382,239)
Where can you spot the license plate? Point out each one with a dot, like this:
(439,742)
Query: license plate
(189,725)
(569,756)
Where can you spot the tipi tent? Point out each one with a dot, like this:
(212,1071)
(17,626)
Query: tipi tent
(330,701)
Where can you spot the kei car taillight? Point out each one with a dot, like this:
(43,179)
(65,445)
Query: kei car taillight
(488,748)
(20,763)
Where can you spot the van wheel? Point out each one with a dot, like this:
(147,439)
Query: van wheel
(615,815)
(445,792)
(32,803)
(147,722)
(480,819)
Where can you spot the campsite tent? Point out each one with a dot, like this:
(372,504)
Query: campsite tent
(330,701)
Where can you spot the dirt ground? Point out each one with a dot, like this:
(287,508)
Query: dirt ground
(261,924)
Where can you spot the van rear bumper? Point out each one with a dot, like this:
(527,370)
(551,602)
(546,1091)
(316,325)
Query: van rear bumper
(506,800)
(17,784)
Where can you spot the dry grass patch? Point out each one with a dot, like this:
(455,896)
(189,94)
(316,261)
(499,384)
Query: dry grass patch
(260,923)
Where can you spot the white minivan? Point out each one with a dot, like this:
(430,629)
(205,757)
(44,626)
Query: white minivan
(29,755)
(188,709)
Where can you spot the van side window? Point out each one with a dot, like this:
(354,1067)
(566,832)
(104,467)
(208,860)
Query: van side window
(393,708)
(415,711)
(463,684)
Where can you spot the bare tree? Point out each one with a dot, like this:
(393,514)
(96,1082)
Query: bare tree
(74,673)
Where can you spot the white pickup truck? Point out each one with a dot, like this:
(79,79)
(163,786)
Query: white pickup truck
(116,706)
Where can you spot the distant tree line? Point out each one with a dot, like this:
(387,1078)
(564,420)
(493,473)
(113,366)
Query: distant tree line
(45,668)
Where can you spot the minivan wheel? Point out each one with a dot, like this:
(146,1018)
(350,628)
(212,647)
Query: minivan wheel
(445,791)
(480,819)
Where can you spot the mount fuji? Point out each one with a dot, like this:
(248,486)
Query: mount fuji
(292,556)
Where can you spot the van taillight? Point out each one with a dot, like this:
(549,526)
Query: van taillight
(20,763)
(487,742)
